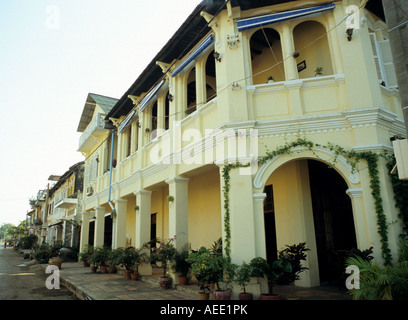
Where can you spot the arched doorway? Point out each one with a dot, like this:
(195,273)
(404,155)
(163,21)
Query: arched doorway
(306,201)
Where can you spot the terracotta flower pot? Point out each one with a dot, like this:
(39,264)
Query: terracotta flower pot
(246,296)
(127,273)
(134,275)
(183,280)
(56,262)
(222,295)
(165,282)
(104,269)
(203,296)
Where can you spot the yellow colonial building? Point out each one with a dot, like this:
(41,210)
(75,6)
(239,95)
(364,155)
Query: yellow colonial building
(297,89)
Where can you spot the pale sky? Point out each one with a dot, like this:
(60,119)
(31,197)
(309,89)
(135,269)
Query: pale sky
(52,54)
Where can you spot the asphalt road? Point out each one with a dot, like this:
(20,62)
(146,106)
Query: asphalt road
(21,279)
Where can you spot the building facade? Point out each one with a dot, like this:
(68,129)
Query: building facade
(62,214)
(293,88)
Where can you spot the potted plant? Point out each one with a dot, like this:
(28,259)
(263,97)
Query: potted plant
(207,267)
(85,256)
(295,254)
(130,258)
(271,273)
(271,79)
(161,256)
(318,71)
(182,266)
(243,276)
(100,258)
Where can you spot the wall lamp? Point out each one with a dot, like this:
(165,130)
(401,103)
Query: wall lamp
(349,32)
(170,97)
(217,56)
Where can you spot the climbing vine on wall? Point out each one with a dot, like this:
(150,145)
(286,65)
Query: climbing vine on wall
(352,157)
(400,188)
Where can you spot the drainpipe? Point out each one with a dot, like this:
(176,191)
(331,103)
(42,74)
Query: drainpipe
(110,172)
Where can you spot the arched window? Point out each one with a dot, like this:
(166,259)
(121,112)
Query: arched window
(266,56)
(310,39)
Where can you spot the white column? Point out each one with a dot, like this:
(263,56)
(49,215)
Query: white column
(119,240)
(84,231)
(178,210)
(241,216)
(99,227)
(143,200)
(288,48)
(259,223)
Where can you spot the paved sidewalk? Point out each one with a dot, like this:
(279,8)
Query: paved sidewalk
(86,284)
(97,286)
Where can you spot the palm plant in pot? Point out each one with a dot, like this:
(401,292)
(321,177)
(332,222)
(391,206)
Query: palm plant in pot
(271,273)
(161,256)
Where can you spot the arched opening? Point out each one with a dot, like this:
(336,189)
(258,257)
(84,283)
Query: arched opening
(210,77)
(310,39)
(306,201)
(191,92)
(266,56)
(153,134)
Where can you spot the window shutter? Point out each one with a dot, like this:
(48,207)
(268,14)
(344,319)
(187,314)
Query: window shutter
(388,63)
(377,57)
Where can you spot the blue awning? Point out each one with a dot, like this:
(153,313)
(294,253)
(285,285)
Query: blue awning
(150,95)
(125,122)
(259,21)
(200,48)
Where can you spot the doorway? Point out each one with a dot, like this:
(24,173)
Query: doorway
(153,229)
(333,219)
(270,226)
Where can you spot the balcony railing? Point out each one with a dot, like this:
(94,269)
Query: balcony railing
(95,127)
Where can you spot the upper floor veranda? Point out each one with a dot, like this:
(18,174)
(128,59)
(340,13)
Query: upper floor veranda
(289,67)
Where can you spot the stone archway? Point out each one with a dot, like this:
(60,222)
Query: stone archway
(299,217)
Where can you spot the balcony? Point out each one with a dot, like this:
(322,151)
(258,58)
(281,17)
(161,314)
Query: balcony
(95,128)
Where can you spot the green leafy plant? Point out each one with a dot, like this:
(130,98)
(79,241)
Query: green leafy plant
(100,256)
(243,275)
(181,264)
(163,254)
(295,254)
(85,256)
(381,283)
(207,267)
(130,258)
(271,273)
(43,253)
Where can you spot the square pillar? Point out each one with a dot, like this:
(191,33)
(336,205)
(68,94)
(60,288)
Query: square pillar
(99,227)
(241,216)
(119,240)
(178,210)
(84,241)
(143,221)
(288,48)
